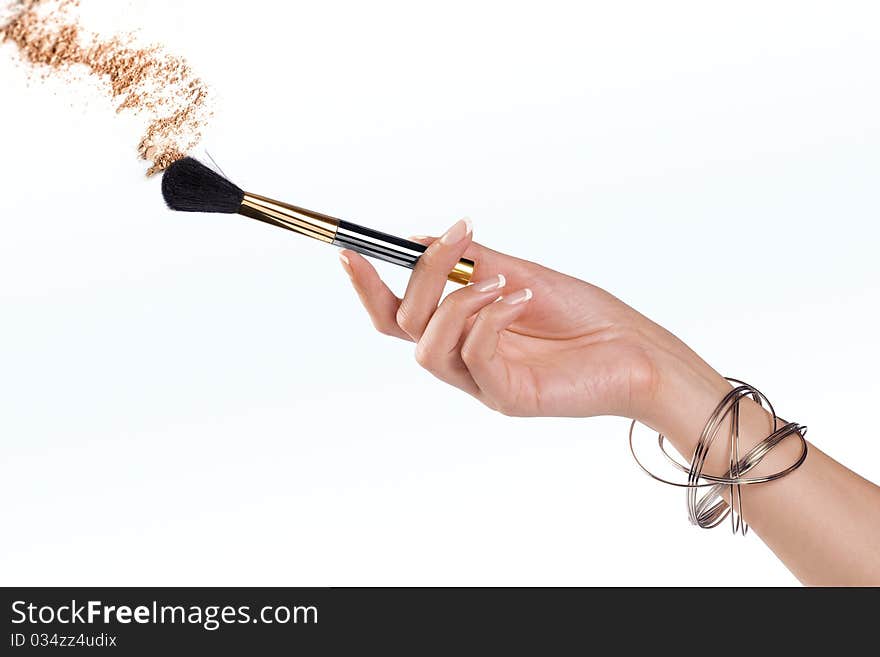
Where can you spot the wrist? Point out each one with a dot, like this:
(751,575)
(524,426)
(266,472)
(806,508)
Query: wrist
(685,393)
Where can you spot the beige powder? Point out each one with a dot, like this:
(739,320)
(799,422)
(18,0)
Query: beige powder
(146,80)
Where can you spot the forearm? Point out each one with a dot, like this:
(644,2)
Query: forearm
(822,520)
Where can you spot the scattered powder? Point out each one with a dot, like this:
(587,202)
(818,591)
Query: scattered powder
(146,80)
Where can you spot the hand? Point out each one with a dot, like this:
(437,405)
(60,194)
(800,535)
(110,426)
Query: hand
(523,339)
(555,345)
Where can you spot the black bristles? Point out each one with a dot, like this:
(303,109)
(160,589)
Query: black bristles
(190,186)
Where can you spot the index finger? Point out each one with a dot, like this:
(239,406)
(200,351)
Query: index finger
(378,300)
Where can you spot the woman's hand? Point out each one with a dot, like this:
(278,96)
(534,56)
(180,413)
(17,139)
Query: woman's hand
(527,340)
(523,339)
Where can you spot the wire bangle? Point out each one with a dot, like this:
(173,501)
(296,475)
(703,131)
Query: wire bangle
(710,509)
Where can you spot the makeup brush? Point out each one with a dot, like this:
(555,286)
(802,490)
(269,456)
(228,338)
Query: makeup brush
(190,186)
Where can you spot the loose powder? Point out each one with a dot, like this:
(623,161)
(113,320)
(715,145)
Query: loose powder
(146,80)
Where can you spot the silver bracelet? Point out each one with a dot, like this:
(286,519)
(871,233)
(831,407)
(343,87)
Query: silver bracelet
(709,509)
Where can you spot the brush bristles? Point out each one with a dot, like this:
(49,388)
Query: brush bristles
(190,186)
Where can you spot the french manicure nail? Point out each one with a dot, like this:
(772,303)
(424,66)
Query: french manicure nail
(495,283)
(457,233)
(346,263)
(517,297)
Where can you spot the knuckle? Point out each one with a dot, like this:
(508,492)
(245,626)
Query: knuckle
(423,354)
(403,318)
(384,329)
(467,354)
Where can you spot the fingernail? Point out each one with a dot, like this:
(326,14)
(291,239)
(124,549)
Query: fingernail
(517,297)
(495,283)
(346,263)
(458,232)
(419,238)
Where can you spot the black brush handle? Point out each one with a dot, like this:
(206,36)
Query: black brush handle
(377,244)
(389,248)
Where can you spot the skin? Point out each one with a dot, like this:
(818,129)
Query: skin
(528,341)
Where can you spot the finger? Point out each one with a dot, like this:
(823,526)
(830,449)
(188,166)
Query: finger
(488,263)
(438,350)
(479,352)
(379,301)
(428,280)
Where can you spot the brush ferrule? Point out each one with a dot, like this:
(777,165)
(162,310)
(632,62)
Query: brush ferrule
(306,222)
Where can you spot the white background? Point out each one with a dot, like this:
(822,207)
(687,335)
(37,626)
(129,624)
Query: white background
(193,399)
